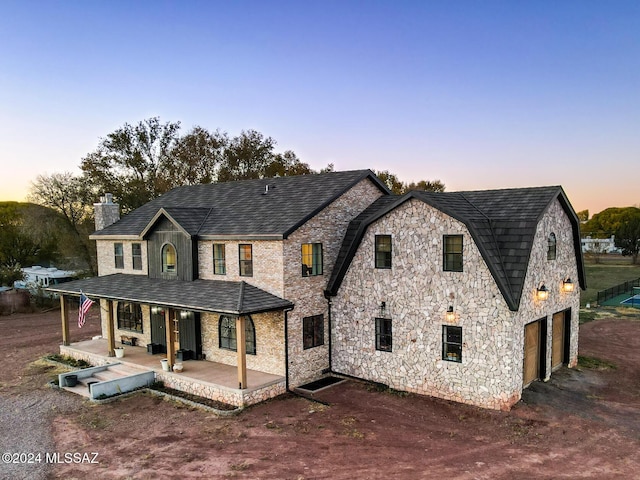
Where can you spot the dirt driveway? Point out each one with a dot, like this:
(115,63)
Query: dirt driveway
(584,423)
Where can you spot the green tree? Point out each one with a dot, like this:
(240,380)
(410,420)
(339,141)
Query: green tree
(68,196)
(196,157)
(252,155)
(398,187)
(21,244)
(134,162)
(427,186)
(628,237)
(607,222)
(583,215)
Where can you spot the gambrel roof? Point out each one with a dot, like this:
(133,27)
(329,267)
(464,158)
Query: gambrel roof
(502,223)
(269,208)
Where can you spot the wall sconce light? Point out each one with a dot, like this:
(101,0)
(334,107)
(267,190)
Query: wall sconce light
(450,315)
(567,285)
(184,314)
(383,309)
(157,310)
(542,293)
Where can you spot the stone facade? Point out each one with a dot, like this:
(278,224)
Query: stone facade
(106,257)
(143,337)
(307,293)
(267,264)
(417,293)
(551,273)
(269,357)
(184,383)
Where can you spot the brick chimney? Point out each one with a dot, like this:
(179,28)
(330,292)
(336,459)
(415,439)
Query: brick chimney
(107,212)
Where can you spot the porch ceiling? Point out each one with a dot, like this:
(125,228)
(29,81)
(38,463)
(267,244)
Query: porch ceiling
(237,298)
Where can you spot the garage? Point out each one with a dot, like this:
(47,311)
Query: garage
(534,333)
(560,339)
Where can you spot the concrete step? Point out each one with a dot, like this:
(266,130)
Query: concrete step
(112,373)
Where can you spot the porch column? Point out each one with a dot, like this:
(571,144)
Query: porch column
(64,315)
(242,352)
(171,336)
(111,341)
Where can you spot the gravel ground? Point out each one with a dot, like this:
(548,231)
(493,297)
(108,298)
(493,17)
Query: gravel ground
(26,418)
(27,404)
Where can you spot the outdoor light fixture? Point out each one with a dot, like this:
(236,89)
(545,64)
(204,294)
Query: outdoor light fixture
(543,293)
(383,309)
(567,285)
(157,310)
(184,314)
(450,315)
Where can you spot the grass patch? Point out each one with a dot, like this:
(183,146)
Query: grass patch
(603,276)
(594,363)
(72,362)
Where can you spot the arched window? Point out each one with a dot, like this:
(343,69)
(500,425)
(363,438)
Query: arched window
(228,337)
(551,247)
(130,316)
(169,259)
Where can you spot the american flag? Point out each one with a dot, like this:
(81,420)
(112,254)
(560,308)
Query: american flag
(85,305)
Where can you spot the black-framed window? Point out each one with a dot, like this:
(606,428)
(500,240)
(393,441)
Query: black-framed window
(227,336)
(136,255)
(246,260)
(311,259)
(452,343)
(452,253)
(219,262)
(551,247)
(169,258)
(384,334)
(130,317)
(383,251)
(312,331)
(118,254)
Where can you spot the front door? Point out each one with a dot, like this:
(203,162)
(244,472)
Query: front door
(158,334)
(531,352)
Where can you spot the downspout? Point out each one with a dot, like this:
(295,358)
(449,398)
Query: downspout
(329,332)
(286,347)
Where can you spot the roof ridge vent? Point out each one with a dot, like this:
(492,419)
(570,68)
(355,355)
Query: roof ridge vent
(267,187)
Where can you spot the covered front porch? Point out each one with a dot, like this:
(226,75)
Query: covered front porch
(207,379)
(224,375)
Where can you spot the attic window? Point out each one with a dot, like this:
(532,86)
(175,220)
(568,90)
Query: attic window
(551,247)
(168,258)
(452,253)
(383,251)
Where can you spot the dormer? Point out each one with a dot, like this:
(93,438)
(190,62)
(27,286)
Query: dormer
(171,243)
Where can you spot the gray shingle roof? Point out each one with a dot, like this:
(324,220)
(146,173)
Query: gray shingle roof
(502,223)
(243,208)
(238,298)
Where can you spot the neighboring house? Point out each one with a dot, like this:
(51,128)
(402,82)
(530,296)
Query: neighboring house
(302,276)
(600,245)
(467,296)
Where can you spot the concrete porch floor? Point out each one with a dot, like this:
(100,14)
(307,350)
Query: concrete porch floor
(198,370)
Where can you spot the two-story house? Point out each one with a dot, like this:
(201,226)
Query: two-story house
(232,273)
(467,296)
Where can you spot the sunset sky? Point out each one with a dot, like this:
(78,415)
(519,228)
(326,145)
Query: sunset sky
(477,94)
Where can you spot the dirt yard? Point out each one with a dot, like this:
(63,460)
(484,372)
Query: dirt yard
(584,423)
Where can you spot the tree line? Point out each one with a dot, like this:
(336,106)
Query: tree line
(623,222)
(137,163)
